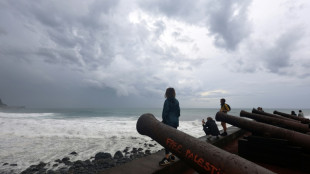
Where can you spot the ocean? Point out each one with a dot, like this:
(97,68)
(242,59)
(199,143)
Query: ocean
(29,136)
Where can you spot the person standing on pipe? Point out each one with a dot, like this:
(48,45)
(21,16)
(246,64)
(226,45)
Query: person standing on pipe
(224,108)
(170,116)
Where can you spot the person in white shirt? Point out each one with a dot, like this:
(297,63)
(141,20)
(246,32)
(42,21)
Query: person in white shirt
(300,114)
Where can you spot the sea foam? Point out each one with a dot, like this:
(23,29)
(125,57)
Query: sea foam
(27,139)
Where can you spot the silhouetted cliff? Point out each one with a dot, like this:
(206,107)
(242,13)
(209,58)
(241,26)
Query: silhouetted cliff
(2,104)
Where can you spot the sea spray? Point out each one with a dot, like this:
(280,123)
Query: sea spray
(31,136)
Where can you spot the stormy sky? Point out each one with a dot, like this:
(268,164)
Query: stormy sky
(120,53)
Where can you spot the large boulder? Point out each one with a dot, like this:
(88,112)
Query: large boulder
(118,155)
(102,155)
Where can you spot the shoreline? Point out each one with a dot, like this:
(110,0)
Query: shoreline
(100,162)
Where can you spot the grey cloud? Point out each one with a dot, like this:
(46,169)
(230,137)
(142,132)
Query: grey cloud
(88,52)
(58,56)
(304,75)
(2,32)
(228,22)
(48,55)
(178,36)
(244,65)
(160,28)
(90,42)
(102,42)
(279,56)
(64,38)
(185,10)
(60,26)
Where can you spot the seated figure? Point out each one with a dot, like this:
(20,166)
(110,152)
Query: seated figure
(210,128)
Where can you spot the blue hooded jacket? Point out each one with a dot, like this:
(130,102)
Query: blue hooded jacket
(171,112)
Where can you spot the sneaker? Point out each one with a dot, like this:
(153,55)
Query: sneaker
(171,158)
(164,162)
(224,134)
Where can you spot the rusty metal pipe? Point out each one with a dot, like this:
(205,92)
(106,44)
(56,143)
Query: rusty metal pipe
(300,139)
(200,155)
(304,128)
(303,120)
(255,111)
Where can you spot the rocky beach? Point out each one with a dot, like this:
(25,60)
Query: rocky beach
(100,162)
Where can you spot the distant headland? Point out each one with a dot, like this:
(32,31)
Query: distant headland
(2,104)
(5,106)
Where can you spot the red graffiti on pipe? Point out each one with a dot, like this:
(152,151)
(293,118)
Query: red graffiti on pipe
(173,145)
(200,161)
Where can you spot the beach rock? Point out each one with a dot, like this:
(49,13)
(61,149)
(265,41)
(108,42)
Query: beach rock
(82,167)
(118,155)
(63,170)
(73,153)
(102,164)
(134,150)
(141,154)
(68,163)
(126,149)
(58,160)
(147,152)
(13,164)
(122,161)
(5,164)
(151,145)
(52,172)
(35,169)
(102,155)
(137,155)
(65,159)
(41,165)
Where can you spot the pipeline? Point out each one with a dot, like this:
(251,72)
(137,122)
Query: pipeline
(300,139)
(255,111)
(200,155)
(303,120)
(303,128)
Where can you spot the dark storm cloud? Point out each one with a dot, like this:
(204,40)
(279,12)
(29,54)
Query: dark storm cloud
(75,46)
(68,32)
(227,21)
(280,55)
(51,46)
(111,52)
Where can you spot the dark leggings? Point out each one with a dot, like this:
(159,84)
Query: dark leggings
(166,150)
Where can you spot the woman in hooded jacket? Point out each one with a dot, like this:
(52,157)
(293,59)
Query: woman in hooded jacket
(170,116)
